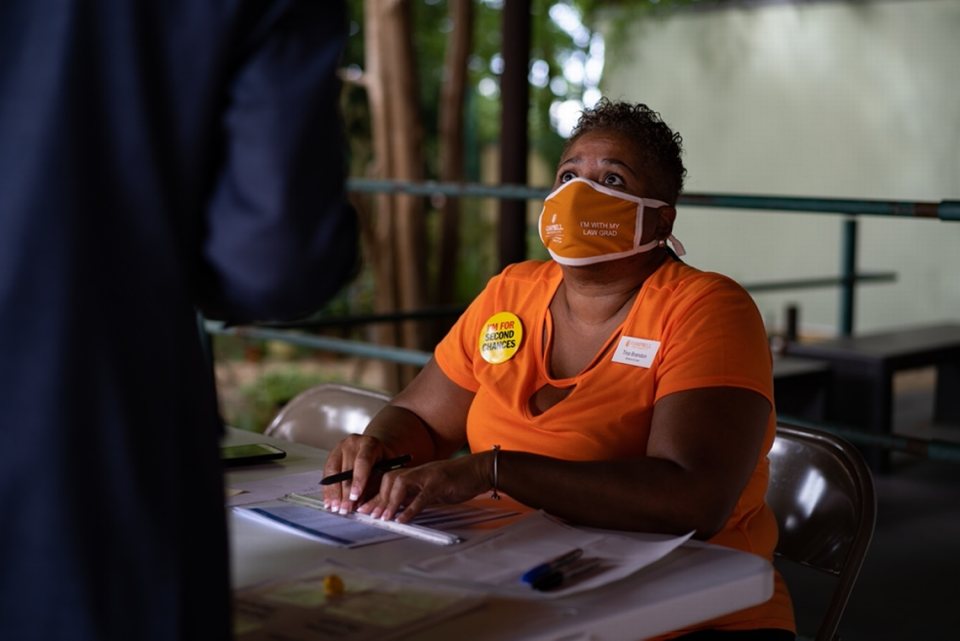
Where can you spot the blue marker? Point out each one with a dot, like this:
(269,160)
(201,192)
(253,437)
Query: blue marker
(530,576)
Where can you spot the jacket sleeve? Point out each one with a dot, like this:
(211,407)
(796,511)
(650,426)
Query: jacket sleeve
(280,238)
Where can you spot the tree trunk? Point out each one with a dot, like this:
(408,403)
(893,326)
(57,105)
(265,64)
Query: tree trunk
(406,162)
(384,267)
(400,257)
(451,143)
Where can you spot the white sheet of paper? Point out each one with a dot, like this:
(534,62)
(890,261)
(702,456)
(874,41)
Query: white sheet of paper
(500,558)
(273,488)
(325,527)
(441,516)
(354,530)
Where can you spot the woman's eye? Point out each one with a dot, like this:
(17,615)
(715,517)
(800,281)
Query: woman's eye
(567,175)
(613,179)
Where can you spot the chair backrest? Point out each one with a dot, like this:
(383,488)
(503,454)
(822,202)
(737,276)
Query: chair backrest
(324,414)
(822,494)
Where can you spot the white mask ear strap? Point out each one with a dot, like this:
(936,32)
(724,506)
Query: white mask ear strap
(677,245)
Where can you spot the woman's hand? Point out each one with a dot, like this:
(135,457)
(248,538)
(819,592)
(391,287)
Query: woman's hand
(358,453)
(450,481)
(427,420)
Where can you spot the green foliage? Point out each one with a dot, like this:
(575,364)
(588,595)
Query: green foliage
(552,47)
(550,44)
(479,261)
(356,298)
(262,399)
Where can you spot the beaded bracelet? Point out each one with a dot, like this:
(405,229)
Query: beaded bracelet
(496,456)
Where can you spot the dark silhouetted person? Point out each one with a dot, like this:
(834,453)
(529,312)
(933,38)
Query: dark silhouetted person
(156,157)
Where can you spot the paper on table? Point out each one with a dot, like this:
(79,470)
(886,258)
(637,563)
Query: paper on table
(441,516)
(305,515)
(274,487)
(326,527)
(373,606)
(501,557)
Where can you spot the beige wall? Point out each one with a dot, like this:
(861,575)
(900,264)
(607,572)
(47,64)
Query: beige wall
(829,99)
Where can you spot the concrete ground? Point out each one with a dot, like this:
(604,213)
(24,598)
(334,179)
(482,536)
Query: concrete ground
(908,587)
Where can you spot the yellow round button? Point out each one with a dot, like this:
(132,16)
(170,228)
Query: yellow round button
(500,337)
(333,586)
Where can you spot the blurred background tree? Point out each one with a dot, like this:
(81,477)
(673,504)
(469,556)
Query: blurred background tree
(422,102)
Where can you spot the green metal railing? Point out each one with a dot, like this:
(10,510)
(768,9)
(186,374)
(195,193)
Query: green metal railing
(390,354)
(945,210)
(847,281)
(933,449)
(942,210)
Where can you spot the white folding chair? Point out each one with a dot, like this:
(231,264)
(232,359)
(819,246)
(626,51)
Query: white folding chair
(324,414)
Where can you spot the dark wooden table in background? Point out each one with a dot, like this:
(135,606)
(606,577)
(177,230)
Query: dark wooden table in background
(862,370)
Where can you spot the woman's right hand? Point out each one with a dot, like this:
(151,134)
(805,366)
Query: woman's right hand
(357,452)
(427,420)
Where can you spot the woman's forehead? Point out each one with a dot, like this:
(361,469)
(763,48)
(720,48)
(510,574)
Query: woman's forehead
(603,145)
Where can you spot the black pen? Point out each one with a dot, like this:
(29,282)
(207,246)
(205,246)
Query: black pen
(552,565)
(565,574)
(380,466)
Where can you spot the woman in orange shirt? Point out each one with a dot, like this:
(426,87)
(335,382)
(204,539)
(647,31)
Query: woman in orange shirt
(613,386)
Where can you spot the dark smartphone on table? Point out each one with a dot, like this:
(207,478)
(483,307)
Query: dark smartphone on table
(251,454)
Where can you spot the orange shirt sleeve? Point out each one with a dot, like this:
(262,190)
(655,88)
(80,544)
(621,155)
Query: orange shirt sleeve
(713,337)
(455,353)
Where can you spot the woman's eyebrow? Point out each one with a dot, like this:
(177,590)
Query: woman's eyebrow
(577,160)
(619,163)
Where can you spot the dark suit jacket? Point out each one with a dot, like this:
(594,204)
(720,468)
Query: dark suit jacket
(156,156)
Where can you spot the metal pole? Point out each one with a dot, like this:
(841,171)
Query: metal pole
(926,210)
(515,105)
(400,355)
(933,449)
(848,273)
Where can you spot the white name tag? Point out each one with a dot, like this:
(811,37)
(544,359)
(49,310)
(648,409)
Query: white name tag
(636,351)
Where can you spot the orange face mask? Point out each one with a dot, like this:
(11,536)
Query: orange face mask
(583,222)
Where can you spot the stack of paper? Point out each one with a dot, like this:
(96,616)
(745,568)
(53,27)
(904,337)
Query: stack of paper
(304,515)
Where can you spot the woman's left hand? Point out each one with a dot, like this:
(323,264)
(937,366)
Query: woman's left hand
(412,489)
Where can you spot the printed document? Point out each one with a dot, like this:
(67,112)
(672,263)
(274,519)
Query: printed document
(304,515)
(499,558)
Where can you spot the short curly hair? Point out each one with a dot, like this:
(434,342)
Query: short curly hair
(658,147)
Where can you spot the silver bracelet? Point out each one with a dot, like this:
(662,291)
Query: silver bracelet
(496,456)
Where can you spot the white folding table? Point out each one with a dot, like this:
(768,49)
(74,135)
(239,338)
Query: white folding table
(694,583)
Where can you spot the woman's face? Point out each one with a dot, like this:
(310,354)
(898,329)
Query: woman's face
(604,158)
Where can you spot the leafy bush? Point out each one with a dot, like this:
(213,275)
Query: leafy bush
(266,396)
